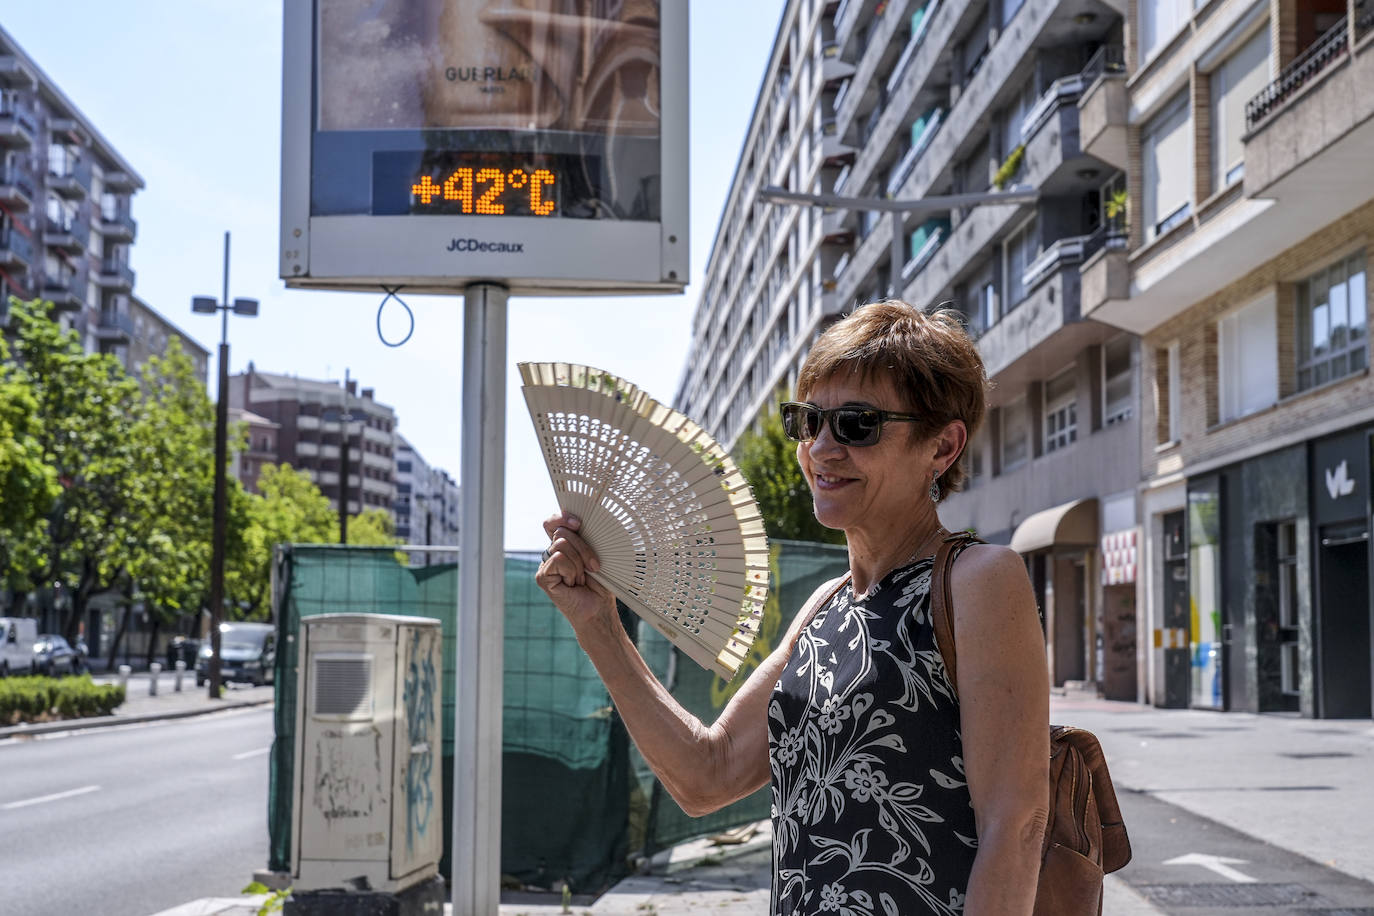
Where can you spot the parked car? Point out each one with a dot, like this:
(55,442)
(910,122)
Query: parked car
(53,655)
(247,653)
(17,636)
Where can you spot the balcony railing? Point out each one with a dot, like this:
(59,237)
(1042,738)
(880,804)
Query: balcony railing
(841,264)
(926,252)
(1321,54)
(1364,18)
(909,160)
(842,14)
(67,233)
(14,178)
(912,44)
(19,244)
(1108,59)
(1066,251)
(118,273)
(1063,91)
(841,178)
(75,179)
(117,321)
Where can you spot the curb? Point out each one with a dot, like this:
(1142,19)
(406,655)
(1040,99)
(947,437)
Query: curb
(71,725)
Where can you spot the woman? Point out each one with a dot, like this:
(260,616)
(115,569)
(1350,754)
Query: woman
(894,791)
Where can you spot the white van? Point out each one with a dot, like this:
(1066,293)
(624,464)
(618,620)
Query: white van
(17,636)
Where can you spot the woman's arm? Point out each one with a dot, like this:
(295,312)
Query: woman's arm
(1004,709)
(703,767)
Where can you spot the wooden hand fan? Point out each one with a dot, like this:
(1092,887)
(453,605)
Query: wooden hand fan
(671,518)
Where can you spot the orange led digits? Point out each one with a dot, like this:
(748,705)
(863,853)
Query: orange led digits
(489,191)
(487,202)
(538,205)
(459,187)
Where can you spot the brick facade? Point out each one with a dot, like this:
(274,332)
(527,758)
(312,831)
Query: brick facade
(1202,439)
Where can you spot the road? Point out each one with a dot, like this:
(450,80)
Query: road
(132,820)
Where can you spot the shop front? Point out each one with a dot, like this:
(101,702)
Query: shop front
(1059,545)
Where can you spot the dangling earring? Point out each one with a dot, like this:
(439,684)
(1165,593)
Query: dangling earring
(935,488)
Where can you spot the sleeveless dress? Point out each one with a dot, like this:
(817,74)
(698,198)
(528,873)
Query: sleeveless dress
(871,813)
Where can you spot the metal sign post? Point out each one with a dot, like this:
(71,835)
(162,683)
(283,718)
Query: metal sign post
(476,852)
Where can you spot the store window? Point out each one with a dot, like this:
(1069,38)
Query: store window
(1117,404)
(1204,591)
(1167,155)
(1247,359)
(1061,410)
(1238,80)
(1332,313)
(1015,419)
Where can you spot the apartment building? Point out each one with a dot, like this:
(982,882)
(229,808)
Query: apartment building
(426,508)
(1246,128)
(905,100)
(309,423)
(65,197)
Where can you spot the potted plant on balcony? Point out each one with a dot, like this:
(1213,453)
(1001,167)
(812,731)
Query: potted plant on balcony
(1117,226)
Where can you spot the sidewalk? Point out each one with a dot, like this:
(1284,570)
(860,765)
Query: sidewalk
(1299,784)
(139,706)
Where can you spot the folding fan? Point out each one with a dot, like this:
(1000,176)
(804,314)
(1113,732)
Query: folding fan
(669,515)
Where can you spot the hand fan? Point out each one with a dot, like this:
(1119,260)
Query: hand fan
(671,518)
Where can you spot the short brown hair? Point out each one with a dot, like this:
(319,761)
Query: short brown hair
(928,356)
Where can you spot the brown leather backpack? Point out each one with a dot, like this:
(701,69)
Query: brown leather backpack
(1085,836)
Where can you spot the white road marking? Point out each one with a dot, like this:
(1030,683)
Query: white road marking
(1219,864)
(47,798)
(246,754)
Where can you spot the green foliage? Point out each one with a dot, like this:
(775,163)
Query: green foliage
(1117,204)
(372,527)
(1009,168)
(768,460)
(289,509)
(274,899)
(28,485)
(32,699)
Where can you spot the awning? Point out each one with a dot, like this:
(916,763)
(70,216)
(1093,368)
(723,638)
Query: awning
(1069,525)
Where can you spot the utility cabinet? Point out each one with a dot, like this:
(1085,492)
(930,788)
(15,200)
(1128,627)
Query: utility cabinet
(368,810)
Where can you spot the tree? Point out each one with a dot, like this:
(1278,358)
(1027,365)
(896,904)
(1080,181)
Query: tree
(372,528)
(28,484)
(768,460)
(83,404)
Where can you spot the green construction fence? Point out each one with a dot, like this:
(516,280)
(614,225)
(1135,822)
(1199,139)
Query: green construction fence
(578,801)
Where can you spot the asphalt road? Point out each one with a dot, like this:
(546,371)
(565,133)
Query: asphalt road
(132,820)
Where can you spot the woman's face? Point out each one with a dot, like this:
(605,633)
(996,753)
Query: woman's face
(868,488)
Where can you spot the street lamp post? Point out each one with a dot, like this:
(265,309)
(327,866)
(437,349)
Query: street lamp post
(898,210)
(208,305)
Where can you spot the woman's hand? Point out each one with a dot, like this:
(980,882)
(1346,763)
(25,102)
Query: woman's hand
(564,574)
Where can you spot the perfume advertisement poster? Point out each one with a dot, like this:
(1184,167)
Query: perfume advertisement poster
(576,66)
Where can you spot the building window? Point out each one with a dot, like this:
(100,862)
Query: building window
(1167,155)
(1239,79)
(1166,395)
(1160,20)
(403,467)
(987,306)
(1332,313)
(1020,250)
(1061,410)
(1117,404)
(1247,359)
(1015,434)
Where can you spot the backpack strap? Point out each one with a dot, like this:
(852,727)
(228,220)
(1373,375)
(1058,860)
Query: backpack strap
(942,599)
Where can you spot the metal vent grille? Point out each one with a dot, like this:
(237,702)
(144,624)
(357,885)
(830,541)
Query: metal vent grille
(343,686)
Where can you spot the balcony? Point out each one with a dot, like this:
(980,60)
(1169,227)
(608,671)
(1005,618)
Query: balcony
(72,236)
(74,182)
(116,275)
(1106,277)
(833,147)
(1043,329)
(908,161)
(66,292)
(833,66)
(1103,108)
(16,190)
(114,328)
(918,33)
(16,250)
(118,226)
(931,279)
(13,73)
(122,182)
(18,127)
(866,86)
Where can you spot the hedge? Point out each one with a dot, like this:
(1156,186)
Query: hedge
(37,699)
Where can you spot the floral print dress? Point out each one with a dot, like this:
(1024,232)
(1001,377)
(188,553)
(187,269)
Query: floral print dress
(871,812)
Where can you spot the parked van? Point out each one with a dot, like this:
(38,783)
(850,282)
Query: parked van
(247,653)
(17,636)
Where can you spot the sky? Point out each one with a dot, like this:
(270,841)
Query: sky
(189,93)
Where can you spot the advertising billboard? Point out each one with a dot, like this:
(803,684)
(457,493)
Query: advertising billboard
(434,143)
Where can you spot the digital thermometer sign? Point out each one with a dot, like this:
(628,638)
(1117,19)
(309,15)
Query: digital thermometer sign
(431,143)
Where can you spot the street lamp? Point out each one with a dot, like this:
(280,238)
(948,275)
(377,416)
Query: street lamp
(208,305)
(345,416)
(898,209)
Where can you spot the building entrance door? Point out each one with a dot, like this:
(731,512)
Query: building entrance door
(1175,621)
(1344,637)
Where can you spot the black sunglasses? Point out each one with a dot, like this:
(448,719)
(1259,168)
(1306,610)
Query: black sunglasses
(857,426)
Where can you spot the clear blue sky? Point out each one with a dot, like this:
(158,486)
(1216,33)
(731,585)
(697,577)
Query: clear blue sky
(190,94)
